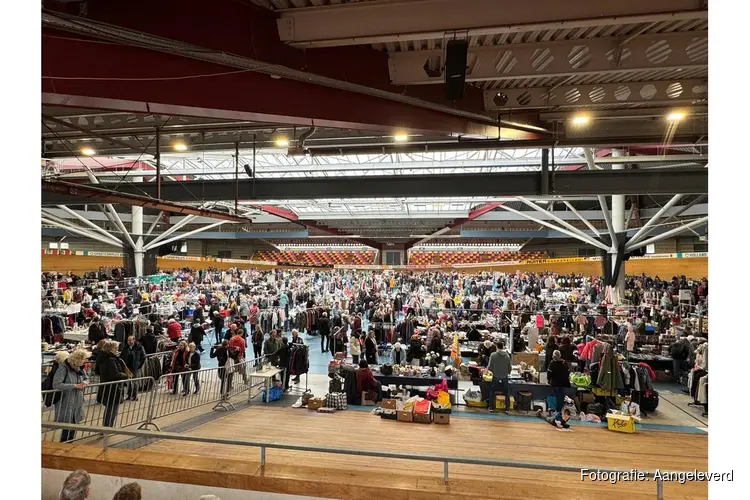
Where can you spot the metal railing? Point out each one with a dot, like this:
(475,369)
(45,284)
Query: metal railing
(142,400)
(263,446)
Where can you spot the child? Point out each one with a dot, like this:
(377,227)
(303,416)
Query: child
(560,420)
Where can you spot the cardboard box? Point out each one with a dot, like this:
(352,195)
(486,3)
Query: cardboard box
(423,418)
(442,418)
(365,401)
(500,402)
(404,416)
(588,397)
(388,404)
(621,423)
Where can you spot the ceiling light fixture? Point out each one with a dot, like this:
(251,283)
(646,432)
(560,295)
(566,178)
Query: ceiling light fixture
(676,116)
(180,146)
(401,137)
(580,120)
(282,142)
(88,151)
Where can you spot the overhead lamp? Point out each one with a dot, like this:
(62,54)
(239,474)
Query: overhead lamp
(88,151)
(180,146)
(401,137)
(282,142)
(580,120)
(676,116)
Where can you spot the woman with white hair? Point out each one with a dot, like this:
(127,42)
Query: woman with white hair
(70,380)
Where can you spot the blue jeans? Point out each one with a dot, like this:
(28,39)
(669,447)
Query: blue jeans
(499,384)
(559,394)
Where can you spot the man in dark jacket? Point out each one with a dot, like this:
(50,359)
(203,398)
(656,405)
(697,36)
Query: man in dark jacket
(96,331)
(221,353)
(680,353)
(134,356)
(196,336)
(218,323)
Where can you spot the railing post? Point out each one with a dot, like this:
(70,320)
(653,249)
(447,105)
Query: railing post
(445,471)
(659,489)
(262,456)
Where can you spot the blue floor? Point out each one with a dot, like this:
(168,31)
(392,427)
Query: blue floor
(319,366)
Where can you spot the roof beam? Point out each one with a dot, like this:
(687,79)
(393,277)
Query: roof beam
(477,212)
(311,224)
(593,56)
(84,193)
(270,171)
(388,21)
(583,182)
(297,97)
(92,133)
(655,93)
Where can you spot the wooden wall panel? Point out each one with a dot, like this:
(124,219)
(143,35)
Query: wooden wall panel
(665,268)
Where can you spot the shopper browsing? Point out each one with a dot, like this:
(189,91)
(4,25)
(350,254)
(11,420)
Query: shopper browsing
(499,365)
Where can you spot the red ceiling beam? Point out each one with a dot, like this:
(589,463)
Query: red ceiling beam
(111,81)
(311,224)
(242,28)
(473,214)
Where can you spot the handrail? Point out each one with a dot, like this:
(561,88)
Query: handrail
(105,431)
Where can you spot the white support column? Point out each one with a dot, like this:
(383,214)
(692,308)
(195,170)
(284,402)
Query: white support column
(136,227)
(618,225)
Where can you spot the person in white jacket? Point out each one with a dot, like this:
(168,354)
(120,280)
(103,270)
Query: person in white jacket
(355,348)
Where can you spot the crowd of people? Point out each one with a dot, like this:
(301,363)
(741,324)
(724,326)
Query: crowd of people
(355,312)
(77,486)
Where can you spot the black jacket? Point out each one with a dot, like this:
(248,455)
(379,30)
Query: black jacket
(134,357)
(568,352)
(557,374)
(324,326)
(149,343)
(96,333)
(196,334)
(195,361)
(110,369)
(221,354)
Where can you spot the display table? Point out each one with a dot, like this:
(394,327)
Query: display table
(76,336)
(415,381)
(267,375)
(538,391)
(655,361)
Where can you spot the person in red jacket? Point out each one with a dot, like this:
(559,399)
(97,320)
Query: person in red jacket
(174,330)
(366,380)
(237,345)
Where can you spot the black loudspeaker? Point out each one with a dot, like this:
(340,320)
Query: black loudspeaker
(456,55)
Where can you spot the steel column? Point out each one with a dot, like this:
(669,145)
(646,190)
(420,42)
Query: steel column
(672,232)
(618,225)
(608,220)
(136,226)
(545,172)
(157,157)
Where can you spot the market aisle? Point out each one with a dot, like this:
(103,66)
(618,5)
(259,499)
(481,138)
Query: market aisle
(590,447)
